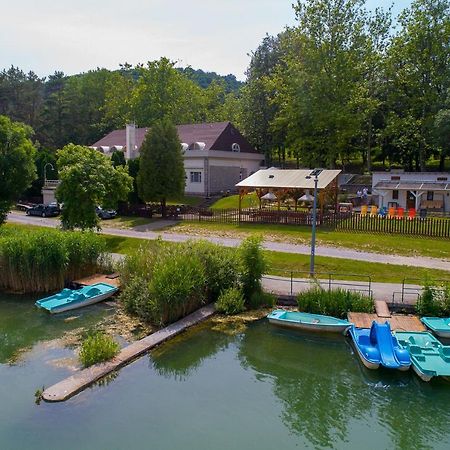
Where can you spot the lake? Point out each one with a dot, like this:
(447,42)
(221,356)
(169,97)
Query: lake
(214,387)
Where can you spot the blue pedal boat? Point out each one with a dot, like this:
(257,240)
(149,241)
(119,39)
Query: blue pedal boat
(376,346)
(69,299)
(429,357)
(309,322)
(440,327)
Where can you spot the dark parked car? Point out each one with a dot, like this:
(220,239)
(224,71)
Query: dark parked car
(41,210)
(105,213)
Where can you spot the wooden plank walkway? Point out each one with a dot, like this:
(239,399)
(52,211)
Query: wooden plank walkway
(397,322)
(112,279)
(382,309)
(86,377)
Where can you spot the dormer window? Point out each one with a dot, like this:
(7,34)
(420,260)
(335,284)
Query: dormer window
(197,146)
(235,147)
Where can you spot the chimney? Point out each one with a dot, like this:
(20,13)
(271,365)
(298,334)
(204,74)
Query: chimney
(131,141)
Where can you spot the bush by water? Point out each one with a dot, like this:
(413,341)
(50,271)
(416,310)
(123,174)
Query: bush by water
(98,347)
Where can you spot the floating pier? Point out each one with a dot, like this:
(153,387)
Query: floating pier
(397,322)
(112,279)
(86,377)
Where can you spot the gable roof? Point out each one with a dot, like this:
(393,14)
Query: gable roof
(216,136)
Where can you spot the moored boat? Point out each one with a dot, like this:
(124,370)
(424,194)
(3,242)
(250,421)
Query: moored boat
(439,326)
(429,357)
(69,299)
(376,346)
(306,321)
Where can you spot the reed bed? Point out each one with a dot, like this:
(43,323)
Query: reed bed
(44,260)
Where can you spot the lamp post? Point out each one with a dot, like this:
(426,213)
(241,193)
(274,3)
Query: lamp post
(315,173)
(45,171)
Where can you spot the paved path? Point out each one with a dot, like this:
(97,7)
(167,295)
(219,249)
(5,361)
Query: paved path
(381,291)
(333,252)
(83,378)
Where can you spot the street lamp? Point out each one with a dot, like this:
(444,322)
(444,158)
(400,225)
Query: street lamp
(315,173)
(45,171)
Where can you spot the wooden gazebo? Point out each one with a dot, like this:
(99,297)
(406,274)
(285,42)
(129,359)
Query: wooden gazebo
(291,184)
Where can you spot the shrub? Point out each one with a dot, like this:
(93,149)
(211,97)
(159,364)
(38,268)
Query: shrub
(37,260)
(253,265)
(434,301)
(231,301)
(335,302)
(260,299)
(98,347)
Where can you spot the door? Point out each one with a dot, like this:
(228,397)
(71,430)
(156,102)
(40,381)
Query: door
(410,200)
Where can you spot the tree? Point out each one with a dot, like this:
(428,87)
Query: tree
(17,167)
(161,170)
(88,179)
(117,158)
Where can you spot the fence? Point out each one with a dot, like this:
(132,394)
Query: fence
(412,289)
(429,226)
(293,282)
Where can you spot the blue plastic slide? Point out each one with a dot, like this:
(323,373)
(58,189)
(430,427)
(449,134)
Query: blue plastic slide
(377,346)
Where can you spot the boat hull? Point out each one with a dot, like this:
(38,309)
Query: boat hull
(327,328)
(88,302)
(369,364)
(440,327)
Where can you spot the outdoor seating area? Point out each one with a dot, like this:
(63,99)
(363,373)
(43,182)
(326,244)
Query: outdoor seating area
(392,212)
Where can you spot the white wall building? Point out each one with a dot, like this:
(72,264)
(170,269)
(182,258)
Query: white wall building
(419,190)
(216,155)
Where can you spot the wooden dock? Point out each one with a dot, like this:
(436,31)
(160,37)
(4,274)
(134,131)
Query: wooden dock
(86,377)
(112,279)
(398,322)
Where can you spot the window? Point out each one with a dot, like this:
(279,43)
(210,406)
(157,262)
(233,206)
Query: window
(235,147)
(430,196)
(442,179)
(196,177)
(395,177)
(395,195)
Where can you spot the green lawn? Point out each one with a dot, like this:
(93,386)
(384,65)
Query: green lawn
(126,222)
(189,200)
(379,243)
(232,202)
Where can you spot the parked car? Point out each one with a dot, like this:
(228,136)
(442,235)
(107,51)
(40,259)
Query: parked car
(105,213)
(44,210)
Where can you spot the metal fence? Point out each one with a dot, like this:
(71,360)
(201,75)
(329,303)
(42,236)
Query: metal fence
(290,282)
(427,226)
(412,288)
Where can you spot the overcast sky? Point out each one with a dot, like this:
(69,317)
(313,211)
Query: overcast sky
(78,35)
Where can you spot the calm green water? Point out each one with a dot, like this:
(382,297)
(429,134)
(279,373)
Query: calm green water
(262,388)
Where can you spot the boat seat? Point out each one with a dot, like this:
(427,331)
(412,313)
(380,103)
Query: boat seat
(93,291)
(415,350)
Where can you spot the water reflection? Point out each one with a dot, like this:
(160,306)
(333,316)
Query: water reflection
(181,357)
(324,389)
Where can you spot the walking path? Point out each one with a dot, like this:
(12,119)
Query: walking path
(86,377)
(333,252)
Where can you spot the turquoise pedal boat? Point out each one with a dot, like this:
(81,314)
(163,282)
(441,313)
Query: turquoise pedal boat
(309,322)
(429,357)
(440,327)
(69,299)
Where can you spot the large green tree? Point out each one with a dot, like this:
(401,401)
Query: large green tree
(88,179)
(161,170)
(17,167)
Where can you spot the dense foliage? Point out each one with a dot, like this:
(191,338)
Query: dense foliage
(336,302)
(161,168)
(231,302)
(17,167)
(42,260)
(88,179)
(163,283)
(253,266)
(98,347)
(434,301)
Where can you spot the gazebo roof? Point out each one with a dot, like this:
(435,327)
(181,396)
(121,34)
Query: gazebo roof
(288,179)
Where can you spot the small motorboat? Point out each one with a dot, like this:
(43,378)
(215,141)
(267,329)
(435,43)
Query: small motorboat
(306,321)
(429,357)
(376,346)
(69,299)
(439,326)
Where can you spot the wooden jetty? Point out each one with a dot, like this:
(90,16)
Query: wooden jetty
(398,322)
(86,377)
(112,279)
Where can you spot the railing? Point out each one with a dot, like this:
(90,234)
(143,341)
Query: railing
(412,288)
(51,184)
(324,280)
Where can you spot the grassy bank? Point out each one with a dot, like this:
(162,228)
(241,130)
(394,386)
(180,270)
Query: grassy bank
(378,243)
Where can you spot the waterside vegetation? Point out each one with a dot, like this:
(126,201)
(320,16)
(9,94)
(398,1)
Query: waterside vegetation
(42,260)
(434,300)
(98,347)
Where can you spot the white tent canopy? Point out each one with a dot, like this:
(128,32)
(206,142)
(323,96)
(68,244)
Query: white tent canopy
(269,196)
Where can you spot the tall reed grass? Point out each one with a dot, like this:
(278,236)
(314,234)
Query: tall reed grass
(42,260)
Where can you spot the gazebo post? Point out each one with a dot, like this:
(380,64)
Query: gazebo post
(240,205)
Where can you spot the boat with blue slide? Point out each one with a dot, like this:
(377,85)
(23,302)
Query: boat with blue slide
(376,346)
(309,322)
(69,299)
(429,357)
(439,326)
